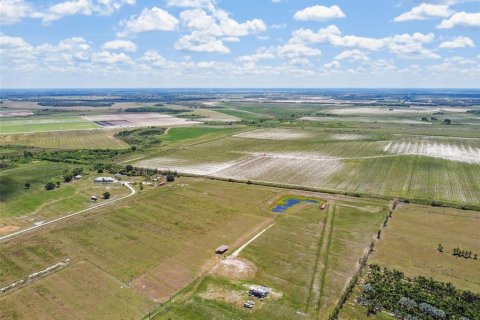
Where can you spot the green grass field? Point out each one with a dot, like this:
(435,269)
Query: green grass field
(306,258)
(139,242)
(41,124)
(21,207)
(73,139)
(409,244)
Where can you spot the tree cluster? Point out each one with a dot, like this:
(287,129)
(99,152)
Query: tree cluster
(416,298)
(68,175)
(467,254)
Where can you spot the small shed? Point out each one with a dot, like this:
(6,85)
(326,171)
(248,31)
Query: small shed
(222,249)
(78,177)
(93,198)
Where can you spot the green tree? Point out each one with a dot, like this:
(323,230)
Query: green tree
(27,185)
(170,178)
(447,121)
(440,247)
(50,186)
(106,195)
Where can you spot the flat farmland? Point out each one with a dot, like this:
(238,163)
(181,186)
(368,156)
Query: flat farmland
(306,258)
(44,123)
(75,292)
(174,228)
(427,168)
(409,244)
(77,139)
(21,207)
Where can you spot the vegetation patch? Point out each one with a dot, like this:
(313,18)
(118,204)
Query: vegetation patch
(416,298)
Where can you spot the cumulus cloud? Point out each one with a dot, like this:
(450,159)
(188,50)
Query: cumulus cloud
(80,7)
(352,55)
(120,44)
(111,58)
(463,19)
(296,50)
(425,11)
(13,11)
(150,19)
(458,42)
(319,13)
(210,27)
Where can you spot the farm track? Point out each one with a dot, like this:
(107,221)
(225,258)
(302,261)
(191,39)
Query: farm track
(17,234)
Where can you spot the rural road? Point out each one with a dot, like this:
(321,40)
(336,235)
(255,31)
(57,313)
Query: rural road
(51,222)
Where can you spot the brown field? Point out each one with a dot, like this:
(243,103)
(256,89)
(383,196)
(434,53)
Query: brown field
(138,120)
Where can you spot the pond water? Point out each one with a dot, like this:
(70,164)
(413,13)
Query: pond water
(287,203)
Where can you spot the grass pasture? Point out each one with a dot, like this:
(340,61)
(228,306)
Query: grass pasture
(306,258)
(409,244)
(74,292)
(42,124)
(74,139)
(174,228)
(21,207)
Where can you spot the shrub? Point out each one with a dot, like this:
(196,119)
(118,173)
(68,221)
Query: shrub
(106,195)
(170,178)
(50,186)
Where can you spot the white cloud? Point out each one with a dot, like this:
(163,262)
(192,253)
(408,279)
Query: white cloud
(80,7)
(154,19)
(261,54)
(13,11)
(296,50)
(154,57)
(458,42)
(210,27)
(119,44)
(463,19)
(352,55)
(111,58)
(424,11)
(319,13)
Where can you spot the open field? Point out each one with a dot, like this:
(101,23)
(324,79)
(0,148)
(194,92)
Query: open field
(126,120)
(306,258)
(41,124)
(21,207)
(77,139)
(140,243)
(207,115)
(74,292)
(409,244)
(428,168)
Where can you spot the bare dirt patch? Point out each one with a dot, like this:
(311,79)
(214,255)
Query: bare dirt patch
(235,268)
(218,293)
(454,152)
(8,229)
(274,134)
(138,120)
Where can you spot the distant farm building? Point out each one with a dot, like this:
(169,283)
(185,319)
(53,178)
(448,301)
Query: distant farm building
(78,177)
(93,198)
(222,249)
(104,180)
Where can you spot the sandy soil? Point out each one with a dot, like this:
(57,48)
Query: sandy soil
(235,268)
(453,152)
(139,120)
(8,229)
(273,134)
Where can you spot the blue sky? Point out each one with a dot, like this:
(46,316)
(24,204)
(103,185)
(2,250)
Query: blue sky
(239,43)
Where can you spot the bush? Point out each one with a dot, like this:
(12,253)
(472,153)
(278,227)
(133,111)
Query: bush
(170,178)
(27,185)
(106,195)
(50,186)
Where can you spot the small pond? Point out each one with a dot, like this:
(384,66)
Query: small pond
(284,204)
